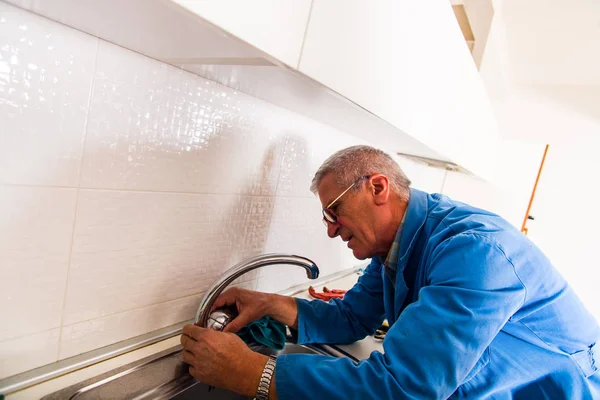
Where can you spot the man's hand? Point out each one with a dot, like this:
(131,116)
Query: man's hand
(252,306)
(222,359)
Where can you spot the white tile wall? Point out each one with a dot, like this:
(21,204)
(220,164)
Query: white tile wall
(305,150)
(45,80)
(155,127)
(36,227)
(28,352)
(134,249)
(89,335)
(180,179)
(296,228)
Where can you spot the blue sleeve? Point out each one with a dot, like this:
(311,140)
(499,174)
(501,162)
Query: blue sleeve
(472,291)
(348,320)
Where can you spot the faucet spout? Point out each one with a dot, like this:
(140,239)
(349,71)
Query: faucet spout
(312,272)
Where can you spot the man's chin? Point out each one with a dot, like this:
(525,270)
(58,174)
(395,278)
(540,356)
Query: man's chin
(358,254)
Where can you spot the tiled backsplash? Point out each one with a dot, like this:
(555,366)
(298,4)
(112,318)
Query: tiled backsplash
(127,186)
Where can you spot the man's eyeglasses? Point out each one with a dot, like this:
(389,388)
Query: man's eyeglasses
(328,214)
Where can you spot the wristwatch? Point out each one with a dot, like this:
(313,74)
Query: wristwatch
(262,393)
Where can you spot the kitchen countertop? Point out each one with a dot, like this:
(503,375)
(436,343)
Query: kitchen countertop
(360,349)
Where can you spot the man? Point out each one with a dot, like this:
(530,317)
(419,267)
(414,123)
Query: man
(475,309)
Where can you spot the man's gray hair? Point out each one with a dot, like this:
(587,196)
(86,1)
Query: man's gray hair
(349,164)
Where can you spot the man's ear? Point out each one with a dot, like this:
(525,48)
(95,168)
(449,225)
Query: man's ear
(380,188)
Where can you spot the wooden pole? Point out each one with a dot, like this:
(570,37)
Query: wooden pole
(537,179)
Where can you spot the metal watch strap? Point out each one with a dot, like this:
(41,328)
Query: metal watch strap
(262,393)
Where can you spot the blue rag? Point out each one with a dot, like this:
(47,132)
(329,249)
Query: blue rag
(265,331)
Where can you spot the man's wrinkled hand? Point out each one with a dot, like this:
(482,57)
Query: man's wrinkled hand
(249,305)
(221,359)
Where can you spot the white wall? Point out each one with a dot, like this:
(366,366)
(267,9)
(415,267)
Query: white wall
(529,116)
(507,193)
(566,220)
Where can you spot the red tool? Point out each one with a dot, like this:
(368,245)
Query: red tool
(327,293)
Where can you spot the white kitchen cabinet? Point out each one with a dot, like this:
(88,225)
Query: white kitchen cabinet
(407,63)
(274,26)
(160,29)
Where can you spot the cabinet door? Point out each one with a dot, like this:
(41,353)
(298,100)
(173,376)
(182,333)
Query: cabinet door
(275,26)
(408,63)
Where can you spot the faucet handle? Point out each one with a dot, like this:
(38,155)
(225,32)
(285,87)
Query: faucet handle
(218,319)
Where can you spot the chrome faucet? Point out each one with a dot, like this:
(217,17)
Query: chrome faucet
(202,316)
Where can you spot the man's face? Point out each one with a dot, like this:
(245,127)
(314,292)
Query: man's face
(355,217)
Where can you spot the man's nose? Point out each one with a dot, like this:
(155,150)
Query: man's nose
(333,229)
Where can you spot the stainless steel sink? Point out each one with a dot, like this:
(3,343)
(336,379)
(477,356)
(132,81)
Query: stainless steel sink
(165,376)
